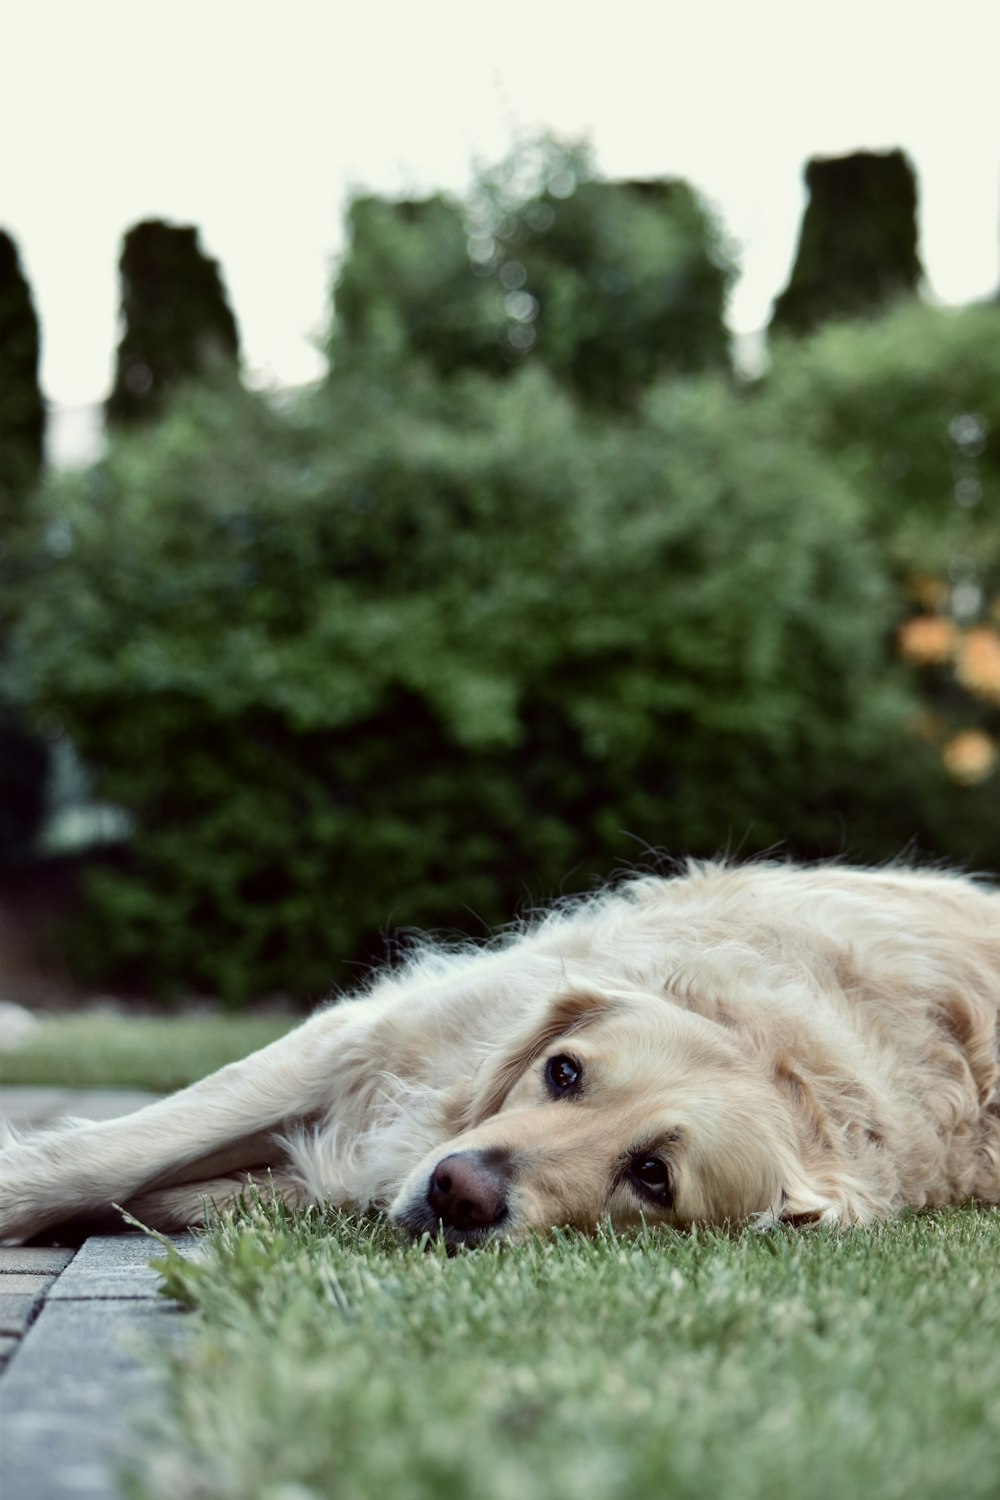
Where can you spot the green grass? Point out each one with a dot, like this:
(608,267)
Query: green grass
(326,1360)
(94,1050)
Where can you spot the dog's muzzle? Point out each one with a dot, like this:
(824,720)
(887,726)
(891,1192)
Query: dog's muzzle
(466,1198)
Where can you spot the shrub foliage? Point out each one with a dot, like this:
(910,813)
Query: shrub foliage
(415,656)
(609,285)
(428,645)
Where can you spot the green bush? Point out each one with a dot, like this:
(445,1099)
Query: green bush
(406,289)
(630,282)
(609,285)
(412,654)
(908,410)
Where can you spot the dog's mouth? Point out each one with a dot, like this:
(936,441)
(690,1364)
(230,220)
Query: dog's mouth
(417,1222)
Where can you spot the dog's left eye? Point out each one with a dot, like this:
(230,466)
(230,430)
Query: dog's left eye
(562,1074)
(651,1174)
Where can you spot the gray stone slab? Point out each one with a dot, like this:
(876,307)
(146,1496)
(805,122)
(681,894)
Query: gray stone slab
(27,1107)
(14,1283)
(34,1108)
(36,1259)
(108,1104)
(73,1394)
(114,1266)
(16,1312)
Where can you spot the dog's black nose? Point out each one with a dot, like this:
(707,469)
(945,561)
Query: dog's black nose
(468,1190)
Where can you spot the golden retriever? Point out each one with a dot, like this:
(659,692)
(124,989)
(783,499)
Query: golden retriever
(755,1043)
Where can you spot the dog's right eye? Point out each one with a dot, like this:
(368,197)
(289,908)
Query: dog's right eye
(562,1074)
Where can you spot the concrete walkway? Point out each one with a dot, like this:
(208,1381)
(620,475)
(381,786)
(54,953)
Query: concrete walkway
(73,1387)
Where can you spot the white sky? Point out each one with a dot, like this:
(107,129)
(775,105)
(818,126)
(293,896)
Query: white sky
(253,119)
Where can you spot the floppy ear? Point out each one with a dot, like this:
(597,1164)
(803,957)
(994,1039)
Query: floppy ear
(820,1183)
(842,1199)
(564,1016)
(803,1206)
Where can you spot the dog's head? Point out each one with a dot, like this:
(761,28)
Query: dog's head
(617,1108)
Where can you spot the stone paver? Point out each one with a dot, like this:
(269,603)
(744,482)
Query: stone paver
(114,1267)
(73,1384)
(16,1282)
(26,1274)
(24,1107)
(37,1259)
(32,1108)
(16,1311)
(73,1395)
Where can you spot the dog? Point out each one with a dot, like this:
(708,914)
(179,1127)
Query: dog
(761,1043)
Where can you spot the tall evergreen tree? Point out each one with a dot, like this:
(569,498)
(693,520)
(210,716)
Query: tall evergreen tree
(23,756)
(857,248)
(177,321)
(609,284)
(630,282)
(22,410)
(406,289)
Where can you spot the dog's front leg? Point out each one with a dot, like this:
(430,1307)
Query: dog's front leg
(219,1124)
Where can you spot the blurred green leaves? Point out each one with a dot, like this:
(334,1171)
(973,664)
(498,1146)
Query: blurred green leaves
(476,623)
(609,285)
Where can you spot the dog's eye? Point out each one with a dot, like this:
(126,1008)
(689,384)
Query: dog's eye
(562,1074)
(651,1176)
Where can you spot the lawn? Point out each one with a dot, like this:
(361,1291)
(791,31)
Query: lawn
(327,1360)
(97,1050)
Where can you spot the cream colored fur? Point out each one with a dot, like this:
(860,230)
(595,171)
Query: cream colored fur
(813,1045)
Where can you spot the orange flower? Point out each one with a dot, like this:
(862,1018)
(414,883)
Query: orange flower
(978,667)
(927,640)
(971,756)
